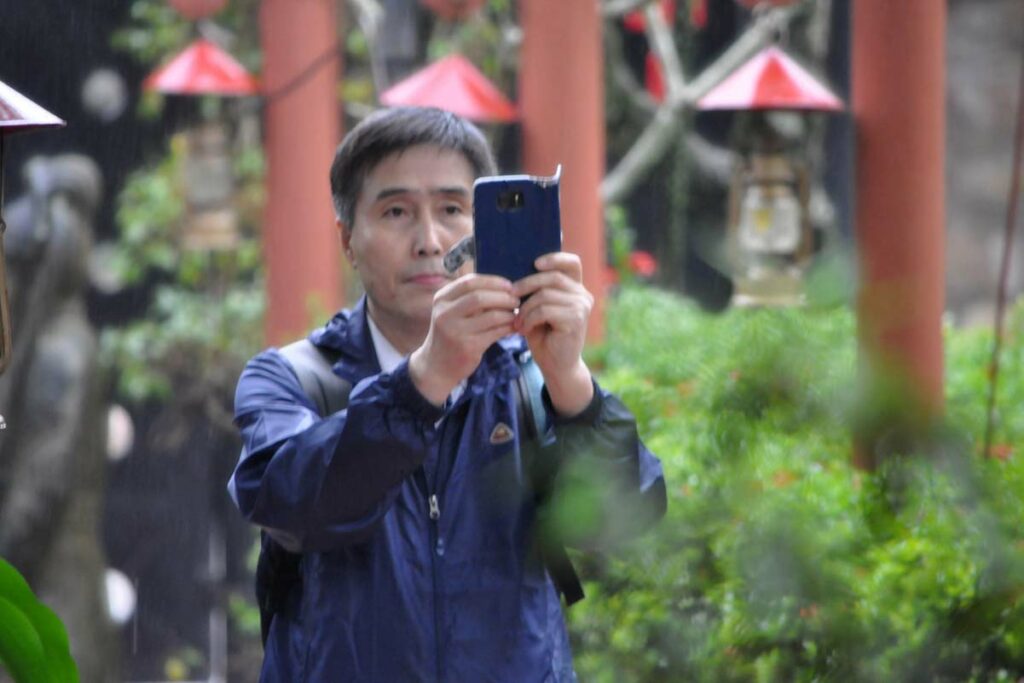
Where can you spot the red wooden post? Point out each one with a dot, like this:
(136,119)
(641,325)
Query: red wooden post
(561,98)
(303,126)
(899,103)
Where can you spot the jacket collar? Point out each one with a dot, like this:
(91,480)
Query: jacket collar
(348,335)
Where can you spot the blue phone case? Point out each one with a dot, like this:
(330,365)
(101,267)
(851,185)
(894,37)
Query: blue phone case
(516,218)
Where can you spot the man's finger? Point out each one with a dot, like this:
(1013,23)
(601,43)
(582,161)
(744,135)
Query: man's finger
(487,320)
(475,302)
(560,315)
(573,296)
(554,279)
(486,334)
(563,261)
(472,282)
(548,296)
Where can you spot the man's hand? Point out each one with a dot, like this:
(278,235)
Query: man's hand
(554,322)
(468,316)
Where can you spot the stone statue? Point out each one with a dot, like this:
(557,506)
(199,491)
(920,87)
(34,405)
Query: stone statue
(52,449)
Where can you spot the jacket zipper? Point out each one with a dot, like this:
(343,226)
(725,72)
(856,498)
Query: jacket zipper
(441,473)
(434,514)
(438,549)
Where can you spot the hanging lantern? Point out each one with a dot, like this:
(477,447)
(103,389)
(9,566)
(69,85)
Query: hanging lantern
(17,114)
(453,10)
(455,85)
(211,220)
(769,231)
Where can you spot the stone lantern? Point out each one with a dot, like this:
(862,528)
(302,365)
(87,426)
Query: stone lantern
(769,235)
(203,68)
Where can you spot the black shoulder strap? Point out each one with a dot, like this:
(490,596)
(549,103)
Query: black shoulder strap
(529,403)
(277,570)
(532,415)
(312,365)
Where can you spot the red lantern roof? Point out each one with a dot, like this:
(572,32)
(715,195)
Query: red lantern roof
(771,80)
(455,85)
(19,113)
(202,69)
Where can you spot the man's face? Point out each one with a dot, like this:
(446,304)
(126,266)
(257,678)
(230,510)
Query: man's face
(413,207)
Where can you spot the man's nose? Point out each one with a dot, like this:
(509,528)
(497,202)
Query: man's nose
(429,237)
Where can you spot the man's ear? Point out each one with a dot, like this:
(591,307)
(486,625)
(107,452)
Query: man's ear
(345,233)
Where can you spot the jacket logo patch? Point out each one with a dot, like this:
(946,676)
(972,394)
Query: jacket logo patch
(501,433)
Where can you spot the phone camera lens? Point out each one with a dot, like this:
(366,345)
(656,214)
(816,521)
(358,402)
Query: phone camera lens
(513,200)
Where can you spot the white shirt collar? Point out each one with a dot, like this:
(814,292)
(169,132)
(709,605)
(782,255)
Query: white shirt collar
(388,357)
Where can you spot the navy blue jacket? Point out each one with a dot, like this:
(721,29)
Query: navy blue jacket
(391,592)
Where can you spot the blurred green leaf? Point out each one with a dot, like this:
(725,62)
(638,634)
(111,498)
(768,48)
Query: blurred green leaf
(33,642)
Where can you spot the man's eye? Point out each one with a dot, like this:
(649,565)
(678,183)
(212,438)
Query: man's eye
(394,212)
(453,210)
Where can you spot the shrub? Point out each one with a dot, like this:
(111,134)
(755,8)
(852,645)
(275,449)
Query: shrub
(778,560)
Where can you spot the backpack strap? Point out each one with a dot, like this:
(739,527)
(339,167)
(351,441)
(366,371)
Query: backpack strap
(529,402)
(534,417)
(313,366)
(277,569)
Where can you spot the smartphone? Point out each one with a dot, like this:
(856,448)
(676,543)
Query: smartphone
(516,218)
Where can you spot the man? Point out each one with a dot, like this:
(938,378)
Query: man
(412,507)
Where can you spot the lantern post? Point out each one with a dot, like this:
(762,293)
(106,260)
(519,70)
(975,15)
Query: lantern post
(561,103)
(899,86)
(302,125)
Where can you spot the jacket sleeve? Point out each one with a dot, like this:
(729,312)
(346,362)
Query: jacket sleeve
(316,483)
(603,485)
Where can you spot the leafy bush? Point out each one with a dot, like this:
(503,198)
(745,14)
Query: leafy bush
(780,561)
(33,641)
(205,310)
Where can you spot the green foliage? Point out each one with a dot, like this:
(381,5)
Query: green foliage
(621,239)
(157,31)
(205,315)
(778,560)
(33,643)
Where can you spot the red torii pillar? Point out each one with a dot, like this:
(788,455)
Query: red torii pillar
(302,127)
(561,99)
(899,103)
